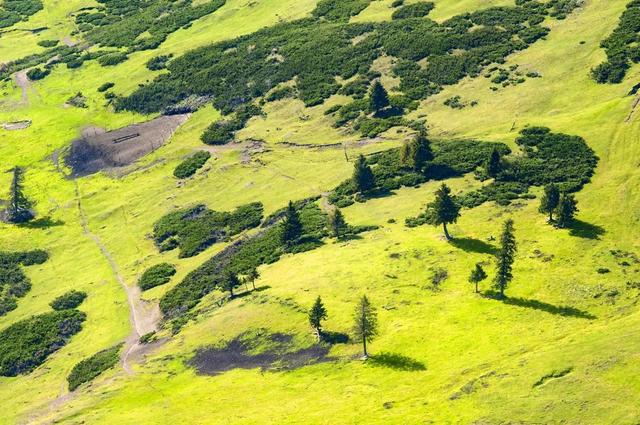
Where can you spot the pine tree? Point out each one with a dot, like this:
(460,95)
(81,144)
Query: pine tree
(567,208)
(506,257)
(494,163)
(365,326)
(317,314)
(477,275)
(420,152)
(363,176)
(405,155)
(443,210)
(550,200)
(19,206)
(338,227)
(291,226)
(229,282)
(378,97)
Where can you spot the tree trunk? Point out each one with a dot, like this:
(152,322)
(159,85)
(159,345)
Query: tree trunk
(319,334)
(476,287)
(364,347)
(551,216)
(446,232)
(253,282)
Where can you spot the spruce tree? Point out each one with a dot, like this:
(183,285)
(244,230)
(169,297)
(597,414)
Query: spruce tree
(494,163)
(443,210)
(291,226)
(338,227)
(365,326)
(363,178)
(405,155)
(317,314)
(567,208)
(421,152)
(378,97)
(477,275)
(19,206)
(505,258)
(229,282)
(550,200)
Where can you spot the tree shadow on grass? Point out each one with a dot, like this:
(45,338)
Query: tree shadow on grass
(560,310)
(474,245)
(585,230)
(396,361)
(334,337)
(41,223)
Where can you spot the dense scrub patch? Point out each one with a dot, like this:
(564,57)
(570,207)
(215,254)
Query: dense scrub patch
(257,349)
(451,159)
(70,300)
(13,282)
(196,228)
(156,275)
(414,10)
(25,345)
(241,257)
(189,166)
(88,369)
(223,131)
(622,47)
(14,11)
(313,52)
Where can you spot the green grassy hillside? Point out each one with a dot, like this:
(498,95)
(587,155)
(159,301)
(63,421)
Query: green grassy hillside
(562,348)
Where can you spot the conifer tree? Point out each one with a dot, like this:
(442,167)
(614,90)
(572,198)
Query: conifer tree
(567,208)
(229,282)
(421,152)
(505,258)
(19,206)
(363,178)
(443,210)
(477,275)
(365,326)
(405,155)
(338,227)
(317,314)
(378,97)
(550,200)
(494,163)
(291,226)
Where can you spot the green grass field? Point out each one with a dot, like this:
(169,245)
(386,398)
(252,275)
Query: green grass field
(482,357)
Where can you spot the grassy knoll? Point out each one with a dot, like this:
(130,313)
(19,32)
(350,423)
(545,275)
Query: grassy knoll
(565,327)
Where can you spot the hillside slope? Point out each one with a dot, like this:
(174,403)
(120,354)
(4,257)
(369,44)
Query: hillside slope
(562,348)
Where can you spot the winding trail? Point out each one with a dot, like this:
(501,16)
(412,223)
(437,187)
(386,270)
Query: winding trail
(23,82)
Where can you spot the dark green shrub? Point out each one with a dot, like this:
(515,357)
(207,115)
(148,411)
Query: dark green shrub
(26,344)
(88,369)
(14,11)
(111,59)
(156,275)
(189,166)
(70,300)
(48,43)
(339,10)
(38,73)
(105,87)
(159,62)
(414,10)
(13,282)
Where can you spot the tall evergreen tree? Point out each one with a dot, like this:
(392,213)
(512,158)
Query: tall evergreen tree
(363,178)
(505,258)
(405,155)
(19,206)
(494,163)
(420,152)
(443,210)
(338,227)
(365,326)
(550,200)
(317,314)
(566,210)
(477,275)
(291,226)
(229,283)
(378,97)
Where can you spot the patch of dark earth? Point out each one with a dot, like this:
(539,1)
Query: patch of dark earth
(258,349)
(97,150)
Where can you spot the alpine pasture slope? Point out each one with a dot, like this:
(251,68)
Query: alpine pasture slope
(562,348)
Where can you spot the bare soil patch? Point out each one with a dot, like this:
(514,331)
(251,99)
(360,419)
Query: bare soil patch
(258,349)
(16,125)
(97,150)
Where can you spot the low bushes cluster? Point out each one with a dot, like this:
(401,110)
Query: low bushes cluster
(223,131)
(70,300)
(14,283)
(38,73)
(339,10)
(156,275)
(241,257)
(106,86)
(189,166)
(622,47)
(25,345)
(111,59)
(414,10)
(88,369)
(196,228)
(158,62)
(14,11)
